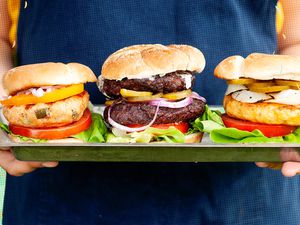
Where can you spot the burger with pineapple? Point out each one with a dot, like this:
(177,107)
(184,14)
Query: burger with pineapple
(263,94)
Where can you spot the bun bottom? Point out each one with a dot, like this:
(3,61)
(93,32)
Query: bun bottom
(263,112)
(64,140)
(193,138)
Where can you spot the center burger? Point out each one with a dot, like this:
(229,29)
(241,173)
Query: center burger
(150,86)
(47,100)
(263,93)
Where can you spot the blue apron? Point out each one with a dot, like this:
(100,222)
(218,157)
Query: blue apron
(149,193)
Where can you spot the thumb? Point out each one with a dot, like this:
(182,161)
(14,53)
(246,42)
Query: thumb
(290,169)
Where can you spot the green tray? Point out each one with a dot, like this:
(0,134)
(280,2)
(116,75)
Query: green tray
(206,151)
(202,152)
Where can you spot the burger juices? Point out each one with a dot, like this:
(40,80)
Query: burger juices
(263,93)
(47,100)
(150,86)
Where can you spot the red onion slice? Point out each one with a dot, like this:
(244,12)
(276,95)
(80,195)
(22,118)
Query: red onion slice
(174,105)
(130,129)
(197,96)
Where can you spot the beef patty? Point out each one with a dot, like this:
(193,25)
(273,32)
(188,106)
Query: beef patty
(142,113)
(171,82)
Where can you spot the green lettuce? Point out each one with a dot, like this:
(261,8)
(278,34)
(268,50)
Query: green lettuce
(4,127)
(170,135)
(28,139)
(97,132)
(211,122)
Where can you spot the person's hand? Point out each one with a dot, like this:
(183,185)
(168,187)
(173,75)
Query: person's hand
(288,169)
(291,165)
(15,167)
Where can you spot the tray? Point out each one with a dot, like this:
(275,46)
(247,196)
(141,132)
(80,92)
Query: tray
(206,151)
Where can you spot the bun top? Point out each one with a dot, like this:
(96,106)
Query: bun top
(260,67)
(45,74)
(144,61)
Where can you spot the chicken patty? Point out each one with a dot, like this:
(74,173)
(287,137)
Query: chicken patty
(263,112)
(53,114)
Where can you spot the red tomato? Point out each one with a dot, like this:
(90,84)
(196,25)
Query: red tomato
(55,132)
(182,126)
(268,130)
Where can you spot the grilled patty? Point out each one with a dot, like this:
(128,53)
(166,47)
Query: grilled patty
(54,114)
(142,113)
(171,82)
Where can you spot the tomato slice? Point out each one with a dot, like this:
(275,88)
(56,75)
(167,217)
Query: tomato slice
(182,126)
(268,130)
(56,132)
(52,96)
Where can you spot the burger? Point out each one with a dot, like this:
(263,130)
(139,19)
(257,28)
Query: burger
(151,86)
(263,93)
(47,100)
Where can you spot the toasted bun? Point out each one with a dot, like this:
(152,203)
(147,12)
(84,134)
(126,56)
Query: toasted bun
(263,112)
(260,67)
(144,61)
(44,74)
(15,138)
(193,138)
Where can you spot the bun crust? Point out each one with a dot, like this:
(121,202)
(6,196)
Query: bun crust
(260,67)
(193,138)
(263,112)
(144,61)
(44,74)
(15,138)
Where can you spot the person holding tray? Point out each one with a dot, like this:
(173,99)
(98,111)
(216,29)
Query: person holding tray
(147,193)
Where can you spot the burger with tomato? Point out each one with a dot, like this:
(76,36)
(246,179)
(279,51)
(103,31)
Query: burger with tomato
(47,100)
(149,90)
(263,93)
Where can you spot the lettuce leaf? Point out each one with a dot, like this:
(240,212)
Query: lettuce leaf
(170,135)
(233,135)
(28,139)
(97,132)
(4,127)
(211,122)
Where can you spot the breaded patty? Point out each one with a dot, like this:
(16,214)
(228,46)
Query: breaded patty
(48,114)
(263,112)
